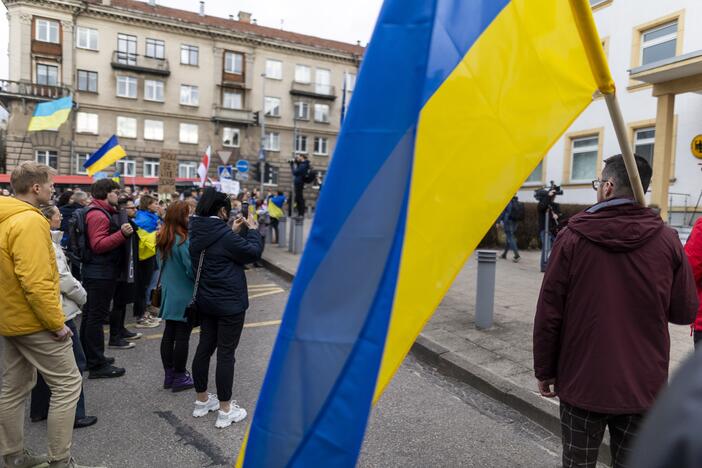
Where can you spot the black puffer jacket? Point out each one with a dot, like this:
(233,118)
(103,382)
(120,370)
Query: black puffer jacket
(222,290)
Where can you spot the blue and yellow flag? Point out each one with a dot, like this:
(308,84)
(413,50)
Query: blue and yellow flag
(107,155)
(50,115)
(457,102)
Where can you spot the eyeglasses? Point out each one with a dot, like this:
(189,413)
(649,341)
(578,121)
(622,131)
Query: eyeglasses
(597,183)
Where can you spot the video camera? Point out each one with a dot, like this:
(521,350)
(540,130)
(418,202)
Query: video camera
(540,194)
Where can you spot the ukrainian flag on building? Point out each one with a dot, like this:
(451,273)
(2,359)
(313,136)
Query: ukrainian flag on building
(457,102)
(107,155)
(50,115)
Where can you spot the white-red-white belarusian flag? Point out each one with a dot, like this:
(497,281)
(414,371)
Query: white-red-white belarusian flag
(204,165)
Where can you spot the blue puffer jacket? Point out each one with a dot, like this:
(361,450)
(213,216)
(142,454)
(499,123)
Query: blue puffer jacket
(222,290)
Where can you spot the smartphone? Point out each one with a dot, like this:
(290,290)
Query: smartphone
(245,209)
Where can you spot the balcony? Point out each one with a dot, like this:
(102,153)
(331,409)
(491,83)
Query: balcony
(140,63)
(10,90)
(313,90)
(239,116)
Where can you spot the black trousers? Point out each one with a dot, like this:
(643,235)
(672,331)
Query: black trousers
(697,337)
(300,199)
(174,345)
(145,270)
(123,293)
(582,432)
(274,228)
(221,334)
(95,313)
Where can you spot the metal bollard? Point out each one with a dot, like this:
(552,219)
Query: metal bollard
(282,235)
(299,241)
(291,234)
(485,296)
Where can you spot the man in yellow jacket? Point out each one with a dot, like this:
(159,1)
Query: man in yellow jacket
(32,322)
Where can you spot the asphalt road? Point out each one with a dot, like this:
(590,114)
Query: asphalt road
(423,420)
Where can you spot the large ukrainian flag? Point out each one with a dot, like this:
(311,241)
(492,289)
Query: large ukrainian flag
(50,115)
(456,103)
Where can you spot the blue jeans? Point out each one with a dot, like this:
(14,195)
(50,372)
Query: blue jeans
(544,252)
(41,395)
(510,242)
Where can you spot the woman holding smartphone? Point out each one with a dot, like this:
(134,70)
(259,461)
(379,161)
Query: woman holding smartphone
(220,252)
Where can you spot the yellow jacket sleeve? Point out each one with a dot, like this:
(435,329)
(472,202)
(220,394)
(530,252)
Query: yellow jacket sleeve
(36,271)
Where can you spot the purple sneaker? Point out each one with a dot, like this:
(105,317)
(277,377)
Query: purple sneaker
(168,379)
(182,381)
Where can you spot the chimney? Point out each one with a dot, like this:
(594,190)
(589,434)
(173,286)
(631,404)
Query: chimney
(358,43)
(231,17)
(254,21)
(202,8)
(244,17)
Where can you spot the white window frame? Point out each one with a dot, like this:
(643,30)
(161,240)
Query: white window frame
(154,86)
(189,49)
(274,69)
(271,106)
(48,66)
(51,28)
(233,70)
(86,38)
(272,141)
(153,130)
(229,105)
(184,132)
(125,125)
(81,158)
(193,95)
(45,157)
(318,143)
(88,73)
(157,44)
(583,149)
(87,122)
(318,115)
(128,82)
(187,170)
(151,167)
(645,141)
(235,135)
(126,167)
(350,82)
(303,74)
(594,3)
(322,86)
(302,105)
(659,40)
(301,144)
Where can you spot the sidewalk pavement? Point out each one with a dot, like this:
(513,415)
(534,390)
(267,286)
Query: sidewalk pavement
(497,361)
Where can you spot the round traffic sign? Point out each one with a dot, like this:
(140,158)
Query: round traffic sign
(242,165)
(696,146)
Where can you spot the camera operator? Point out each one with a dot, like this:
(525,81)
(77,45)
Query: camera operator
(549,218)
(300,166)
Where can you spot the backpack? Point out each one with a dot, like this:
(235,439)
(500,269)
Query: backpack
(310,176)
(78,250)
(517,212)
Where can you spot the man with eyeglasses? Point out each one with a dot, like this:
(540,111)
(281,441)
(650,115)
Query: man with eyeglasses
(615,278)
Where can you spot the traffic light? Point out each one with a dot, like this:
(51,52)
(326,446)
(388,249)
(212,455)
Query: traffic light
(257,117)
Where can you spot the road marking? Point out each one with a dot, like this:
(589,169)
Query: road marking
(268,323)
(267,293)
(268,285)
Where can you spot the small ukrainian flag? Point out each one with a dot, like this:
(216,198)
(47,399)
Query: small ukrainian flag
(50,115)
(107,155)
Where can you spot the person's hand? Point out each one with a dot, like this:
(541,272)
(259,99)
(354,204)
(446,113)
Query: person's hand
(127,229)
(251,222)
(545,388)
(62,335)
(238,223)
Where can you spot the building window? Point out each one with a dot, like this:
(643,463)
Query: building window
(155,48)
(644,140)
(270,174)
(189,95)
(274,69)
(127,87)
(584,153)
(321,146)
(48,157)
(232,100)
(188,133)
(301,144)
(47,74)
(81,158)
(536,177)
(234,63)
(272,106)
(303,74)
(126,49)
(153,90)
(126,167)
(86,123)
(87,81)
(321,113)
(126,127)
(189,55)
(151,167)
(86,38)
(187,170)
(230,136)
(350,82)
(271,142)
(46,30)
(153,130)
(659,43)
(594,3)
(302,110)
(322,81)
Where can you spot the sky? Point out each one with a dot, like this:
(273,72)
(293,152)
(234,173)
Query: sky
(343,20)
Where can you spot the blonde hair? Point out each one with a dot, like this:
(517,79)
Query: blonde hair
(29,173)
(48,211)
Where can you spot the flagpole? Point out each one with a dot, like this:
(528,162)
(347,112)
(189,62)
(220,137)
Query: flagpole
(19,155)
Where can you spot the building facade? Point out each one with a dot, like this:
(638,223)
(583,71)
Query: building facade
(641,38)
(164,79)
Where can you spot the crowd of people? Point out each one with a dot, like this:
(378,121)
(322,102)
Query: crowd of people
(85,257)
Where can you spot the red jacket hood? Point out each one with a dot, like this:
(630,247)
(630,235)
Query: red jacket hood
(616,225)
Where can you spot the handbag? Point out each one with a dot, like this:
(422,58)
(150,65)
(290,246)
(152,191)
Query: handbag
(156,292)
(192,314)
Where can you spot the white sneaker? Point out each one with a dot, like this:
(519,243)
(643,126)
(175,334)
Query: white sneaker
(201,409)
(235,414)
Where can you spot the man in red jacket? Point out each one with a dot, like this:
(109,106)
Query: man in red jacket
(693,249)
(616,276)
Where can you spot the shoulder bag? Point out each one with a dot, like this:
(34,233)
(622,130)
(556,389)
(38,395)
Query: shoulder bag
(192,314)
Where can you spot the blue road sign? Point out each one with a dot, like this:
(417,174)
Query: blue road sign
(225,172)
(242,165)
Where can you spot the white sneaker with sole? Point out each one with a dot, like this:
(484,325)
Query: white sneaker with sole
(201,409)
(235,414)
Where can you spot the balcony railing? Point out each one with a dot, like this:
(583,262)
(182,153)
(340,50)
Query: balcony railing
(36,92)
(315,90)
(241,116)
(139,63)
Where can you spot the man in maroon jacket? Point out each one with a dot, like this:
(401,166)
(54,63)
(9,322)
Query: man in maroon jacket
(616,276)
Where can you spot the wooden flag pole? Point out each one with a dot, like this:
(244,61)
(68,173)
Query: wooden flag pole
(615,112)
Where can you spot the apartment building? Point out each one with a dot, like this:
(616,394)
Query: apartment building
(655,55)
(164,79)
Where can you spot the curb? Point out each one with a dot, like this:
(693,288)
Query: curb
(277,269)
